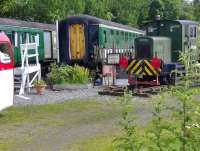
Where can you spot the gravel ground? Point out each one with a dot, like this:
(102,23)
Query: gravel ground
(56,96)
(60,96)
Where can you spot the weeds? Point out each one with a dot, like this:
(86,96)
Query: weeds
(173,128)
(129,141)
(154,133)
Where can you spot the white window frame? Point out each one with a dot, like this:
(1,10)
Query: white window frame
(16,39)
(37,39)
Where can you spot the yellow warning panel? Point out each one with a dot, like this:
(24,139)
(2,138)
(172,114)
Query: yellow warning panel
(142,67)
(77,41)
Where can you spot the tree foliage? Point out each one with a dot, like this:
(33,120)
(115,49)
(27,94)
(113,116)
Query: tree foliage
(196,5)
(130,12)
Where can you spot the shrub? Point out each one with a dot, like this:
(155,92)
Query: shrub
(129,140)
(39,83)
(68,74)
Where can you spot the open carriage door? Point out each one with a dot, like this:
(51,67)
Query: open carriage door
(6,73)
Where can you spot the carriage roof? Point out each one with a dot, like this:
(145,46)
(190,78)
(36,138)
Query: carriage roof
(27,24)
(96,21)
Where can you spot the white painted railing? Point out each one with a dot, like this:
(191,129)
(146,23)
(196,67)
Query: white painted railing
(28,67)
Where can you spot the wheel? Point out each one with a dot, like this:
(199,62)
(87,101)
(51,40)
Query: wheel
(173,79)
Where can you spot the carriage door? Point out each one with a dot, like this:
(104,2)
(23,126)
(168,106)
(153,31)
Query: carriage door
(77,42)
(6,75)
(47,45)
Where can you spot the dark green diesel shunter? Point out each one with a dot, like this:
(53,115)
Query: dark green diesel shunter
(157,53)
(183,34)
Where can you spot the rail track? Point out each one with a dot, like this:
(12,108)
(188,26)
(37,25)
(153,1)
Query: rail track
(143,91)
(136,91)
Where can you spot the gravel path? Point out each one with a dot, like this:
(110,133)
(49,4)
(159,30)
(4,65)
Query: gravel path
(60,96)
(56,96)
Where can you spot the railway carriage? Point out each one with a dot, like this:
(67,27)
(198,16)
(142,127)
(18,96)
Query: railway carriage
(87,40)
(183,34)
(20,32)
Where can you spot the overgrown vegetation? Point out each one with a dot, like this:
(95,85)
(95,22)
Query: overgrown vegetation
(60,125)
(174,127)
(66,74)
(128,141)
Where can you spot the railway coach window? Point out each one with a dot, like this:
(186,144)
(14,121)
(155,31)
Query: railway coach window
(32,38)
(4,54)
(105,36)
(126,36)
(11,36)
(112,32)
(16,39)
(122,35)
(130,35)
(37,39)
(22,38)
(193,31)
(143,51)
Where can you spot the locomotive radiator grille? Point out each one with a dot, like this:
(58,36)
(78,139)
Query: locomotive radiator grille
(142,67)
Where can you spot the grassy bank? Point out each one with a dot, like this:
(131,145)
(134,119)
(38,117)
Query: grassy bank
(56,126)
(78,125)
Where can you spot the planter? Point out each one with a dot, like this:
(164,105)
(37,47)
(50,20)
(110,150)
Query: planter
(40,89)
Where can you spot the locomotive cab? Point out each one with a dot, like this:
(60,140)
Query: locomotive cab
(151,54)
(150,47)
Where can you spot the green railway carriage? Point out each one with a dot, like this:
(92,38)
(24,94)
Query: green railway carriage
(110,37)
(19,36)
(87,40)
(21,32)
(183,34)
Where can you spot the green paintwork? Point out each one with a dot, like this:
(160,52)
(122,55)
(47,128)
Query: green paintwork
(173,30)
(114,38)
(160,46)
(9,30)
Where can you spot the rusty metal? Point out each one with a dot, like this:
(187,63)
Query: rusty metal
(137,91)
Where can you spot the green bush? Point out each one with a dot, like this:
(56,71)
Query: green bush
(68,74)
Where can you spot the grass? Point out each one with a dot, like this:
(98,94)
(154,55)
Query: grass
(33,113)
(23,128)
(78,125)
(99,143)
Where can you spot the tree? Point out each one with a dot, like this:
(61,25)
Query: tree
(6,7)
(156,8)
(126,11)
(187,11)
(196,5)
(130,12)
(144,12)
(172,9)
(99,8)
